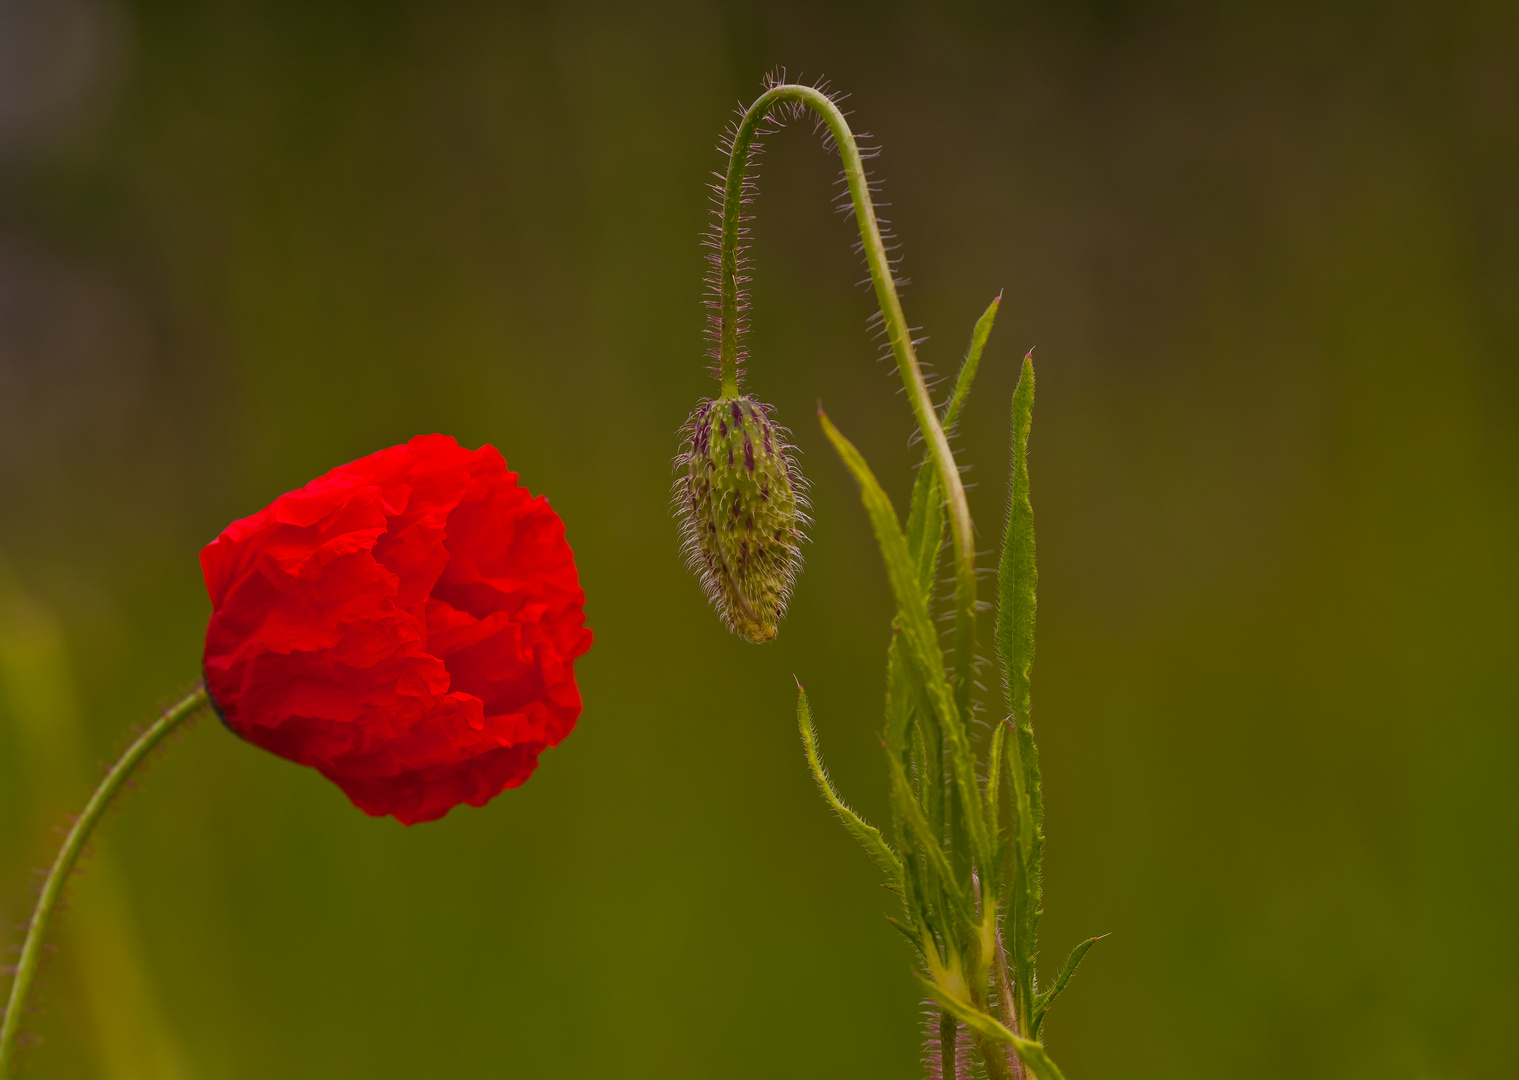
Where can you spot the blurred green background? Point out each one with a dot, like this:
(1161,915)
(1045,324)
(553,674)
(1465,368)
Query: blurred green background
(1269,255)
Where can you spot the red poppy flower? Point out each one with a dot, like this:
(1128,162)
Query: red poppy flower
(406,624)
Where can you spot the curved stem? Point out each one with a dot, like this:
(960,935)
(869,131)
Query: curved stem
(68,855)
(896,331)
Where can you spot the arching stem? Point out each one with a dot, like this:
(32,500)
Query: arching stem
(68,855)
(896,331)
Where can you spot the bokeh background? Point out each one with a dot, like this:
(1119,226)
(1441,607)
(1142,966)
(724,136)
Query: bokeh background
(1269,256)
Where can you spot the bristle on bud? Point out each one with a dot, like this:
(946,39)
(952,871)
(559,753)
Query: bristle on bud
(741,505)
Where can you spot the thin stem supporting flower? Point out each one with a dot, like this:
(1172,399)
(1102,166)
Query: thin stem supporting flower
(68,856)
(897,333)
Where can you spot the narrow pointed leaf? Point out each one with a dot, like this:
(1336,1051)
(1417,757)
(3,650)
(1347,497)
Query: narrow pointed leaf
(908,932)
(868,835)
(1025,889)
(899,710)
(925,527)
(903,740)
(922,641)
(925,514)
(1017,582)
(926,843)
(994,786)
(972,361)
(1018,576)
(1047,998)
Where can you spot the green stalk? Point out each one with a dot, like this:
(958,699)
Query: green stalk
(68,855)
(948,1051)
(896,332)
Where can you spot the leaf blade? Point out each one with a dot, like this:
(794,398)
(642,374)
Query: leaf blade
(922,642)
(972,361)
(1017,583)
(868,835)
(1018,574)
(1047,998)
(925,514)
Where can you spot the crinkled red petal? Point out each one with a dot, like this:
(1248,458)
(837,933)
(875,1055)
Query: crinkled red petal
(406,624)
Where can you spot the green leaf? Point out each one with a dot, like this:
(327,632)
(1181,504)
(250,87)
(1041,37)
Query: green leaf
(927,661)
(908,932)
(972,361)
(1018,576)
(1047,998)
(868,835)
(925,526)
(925,542)
(926,843)
(926,749)
(925,514)
(994,786)
(1017,582)
(915,823)
(899,710)
(1037,1060)
(1024,886)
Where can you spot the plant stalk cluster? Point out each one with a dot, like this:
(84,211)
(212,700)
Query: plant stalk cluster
(964,859)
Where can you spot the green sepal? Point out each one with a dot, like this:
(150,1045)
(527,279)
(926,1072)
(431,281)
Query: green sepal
(1047,998)
(868,835)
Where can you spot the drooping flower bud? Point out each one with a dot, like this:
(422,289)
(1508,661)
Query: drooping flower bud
(741,506)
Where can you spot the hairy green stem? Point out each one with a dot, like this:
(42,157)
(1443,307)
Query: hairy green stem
(897,333)
(68,855)
(994,1058)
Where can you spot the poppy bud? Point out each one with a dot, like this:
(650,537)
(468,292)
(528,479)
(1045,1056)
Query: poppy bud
(740,501)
